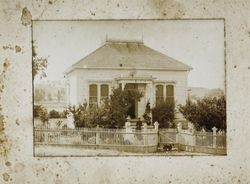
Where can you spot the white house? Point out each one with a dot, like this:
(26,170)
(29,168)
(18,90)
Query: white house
(131,65)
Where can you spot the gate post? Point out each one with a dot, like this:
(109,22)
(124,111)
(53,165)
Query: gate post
(214,136)
(145,134)
(178,135)
(156,126)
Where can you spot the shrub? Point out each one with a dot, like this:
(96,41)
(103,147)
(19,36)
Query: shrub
(79,112)
(206,113)
(147,113)
(64,114)
(118,105)
(37,110)
(44,116)
(111,114)
(164,113)
(54,114)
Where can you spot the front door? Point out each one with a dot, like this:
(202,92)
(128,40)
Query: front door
(133,110)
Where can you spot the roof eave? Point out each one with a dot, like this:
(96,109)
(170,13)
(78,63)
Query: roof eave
(126,68)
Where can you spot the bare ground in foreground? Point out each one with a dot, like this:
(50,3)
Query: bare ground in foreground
(47,150)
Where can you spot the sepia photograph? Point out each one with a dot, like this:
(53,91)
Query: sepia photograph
(129,87)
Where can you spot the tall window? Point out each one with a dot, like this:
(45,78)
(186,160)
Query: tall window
(92,95)
(170,92)
(104,92)
(159,94)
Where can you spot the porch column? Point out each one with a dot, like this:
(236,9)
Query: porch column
(164,92)
(110,90)
(98,94)
(152,94)
(123,85)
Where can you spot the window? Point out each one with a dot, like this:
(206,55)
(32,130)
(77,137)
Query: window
(104,92)
(92,95)
(170,92)
(159,94)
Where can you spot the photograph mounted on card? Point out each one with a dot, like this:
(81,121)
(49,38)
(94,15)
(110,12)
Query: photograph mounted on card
(129,87)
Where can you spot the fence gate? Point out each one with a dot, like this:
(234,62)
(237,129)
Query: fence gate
(167,136)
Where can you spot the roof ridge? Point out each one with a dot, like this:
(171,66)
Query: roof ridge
(124,41)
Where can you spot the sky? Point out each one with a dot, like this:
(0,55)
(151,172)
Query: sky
(197,43)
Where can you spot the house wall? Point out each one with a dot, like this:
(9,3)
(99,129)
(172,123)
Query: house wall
(80,79)
(73,89)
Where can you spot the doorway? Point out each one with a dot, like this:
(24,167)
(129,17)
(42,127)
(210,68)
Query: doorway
(133,109)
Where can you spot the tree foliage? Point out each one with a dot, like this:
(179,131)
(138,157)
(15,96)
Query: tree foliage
(118,105)
(164,114)
(111,114)
(37,110)
(44,116)
(54,114)
(39,64)
(206,113)
(147,113)
(79,113)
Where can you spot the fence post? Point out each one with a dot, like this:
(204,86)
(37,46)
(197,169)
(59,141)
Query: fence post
(156,126)
(178,135)
(145,134)
(46,137)
(214,136)
(193,141)
(97,135)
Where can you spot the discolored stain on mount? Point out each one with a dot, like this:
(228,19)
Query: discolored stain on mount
(169,8)
(10,47)
(4,147)
(26,17)
(18,48)
(6,176)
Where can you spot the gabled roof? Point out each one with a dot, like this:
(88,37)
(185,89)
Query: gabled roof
(128,55)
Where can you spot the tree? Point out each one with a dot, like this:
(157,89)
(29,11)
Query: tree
(164,113)
(147,113)
(118,106)
(111,114)
(44,116)
(79,113)
(54,114)
(39,64)
(37,110)
(206,113)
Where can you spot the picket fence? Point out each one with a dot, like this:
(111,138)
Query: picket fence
(145,140)
(99,137)
(195,141)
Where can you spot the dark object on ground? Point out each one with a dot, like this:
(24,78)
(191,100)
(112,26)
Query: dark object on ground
(168,147)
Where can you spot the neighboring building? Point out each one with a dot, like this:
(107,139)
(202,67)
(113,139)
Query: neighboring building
(130,65)
(196,93)
(51,95)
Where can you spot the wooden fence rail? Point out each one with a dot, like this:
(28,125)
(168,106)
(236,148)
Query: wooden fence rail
(195,141)
(95,136)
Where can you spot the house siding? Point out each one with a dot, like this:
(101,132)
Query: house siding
(81,78)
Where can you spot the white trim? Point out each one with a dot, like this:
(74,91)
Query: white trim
(67,72)
(99,82)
